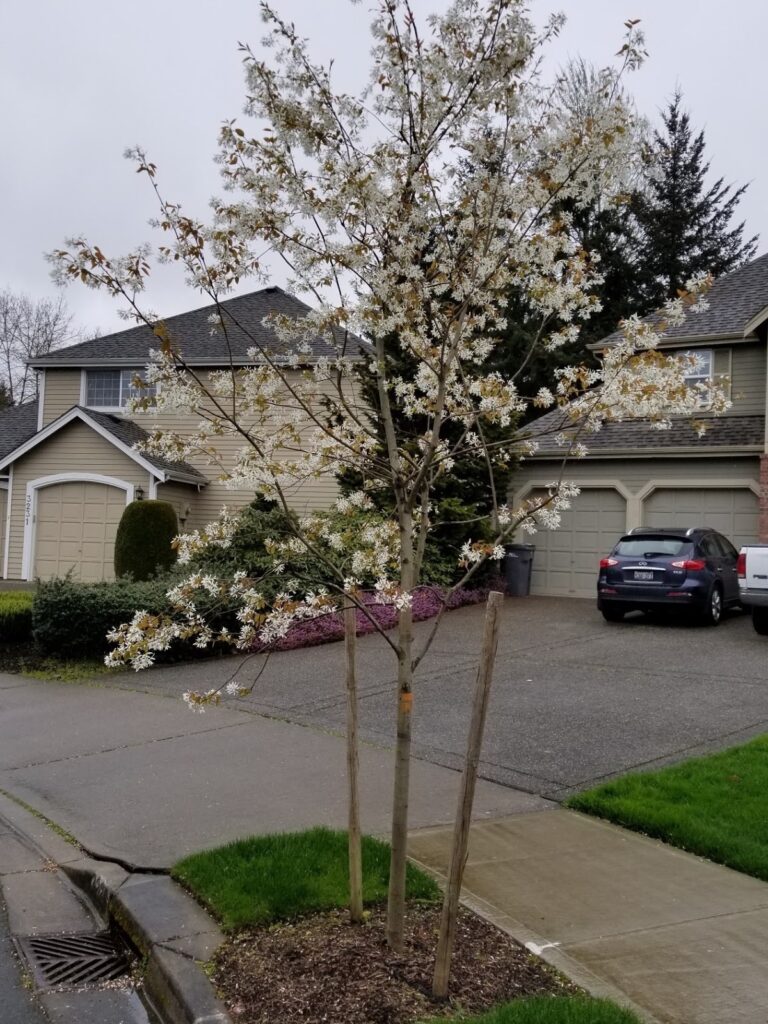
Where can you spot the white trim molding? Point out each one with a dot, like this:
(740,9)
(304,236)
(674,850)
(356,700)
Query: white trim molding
(7,545)
(30,506)
(40,398)
(756,321)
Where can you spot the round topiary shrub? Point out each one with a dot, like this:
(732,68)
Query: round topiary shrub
(143,542)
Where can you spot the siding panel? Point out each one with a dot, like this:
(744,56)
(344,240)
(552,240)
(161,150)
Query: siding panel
(748,380)
(62,391)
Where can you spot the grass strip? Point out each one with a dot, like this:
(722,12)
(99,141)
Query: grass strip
(278,877)
(715,806)
(55,670)
(551,1010)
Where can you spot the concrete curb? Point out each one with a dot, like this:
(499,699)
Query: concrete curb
(169,929)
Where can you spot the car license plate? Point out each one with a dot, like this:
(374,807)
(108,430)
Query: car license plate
(643,574)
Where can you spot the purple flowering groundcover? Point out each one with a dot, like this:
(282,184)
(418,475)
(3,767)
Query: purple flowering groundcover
(427,602)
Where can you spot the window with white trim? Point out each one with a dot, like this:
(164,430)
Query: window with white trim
(702,371)
(112,389)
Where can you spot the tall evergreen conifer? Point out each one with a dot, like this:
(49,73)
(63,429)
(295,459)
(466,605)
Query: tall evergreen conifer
(685,226)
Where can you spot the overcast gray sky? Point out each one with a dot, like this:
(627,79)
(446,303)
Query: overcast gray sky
(80,81)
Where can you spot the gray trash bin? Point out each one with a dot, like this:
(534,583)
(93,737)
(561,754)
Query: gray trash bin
(518,566)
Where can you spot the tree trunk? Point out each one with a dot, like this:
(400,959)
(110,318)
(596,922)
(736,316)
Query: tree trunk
(399,839)
(353,769)
(466,799)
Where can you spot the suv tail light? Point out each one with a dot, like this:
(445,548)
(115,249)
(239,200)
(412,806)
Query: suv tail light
(691,563)
(741,565)
(606,563)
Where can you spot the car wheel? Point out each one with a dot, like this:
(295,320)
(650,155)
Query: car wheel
(713,611)
(613,614)
(760,620)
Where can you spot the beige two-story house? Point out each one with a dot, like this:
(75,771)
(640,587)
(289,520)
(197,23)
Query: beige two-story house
(69,465)
(69,462)
(638,476)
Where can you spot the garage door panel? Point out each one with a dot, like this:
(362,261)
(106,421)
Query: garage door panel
(75,529)
(559,561)
(584,561)
(566,560)
(93,531)
(69,531)
(732,511)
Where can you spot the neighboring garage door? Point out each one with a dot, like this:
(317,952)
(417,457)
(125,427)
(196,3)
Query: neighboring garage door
(732,511)
(75,530)
(566,560)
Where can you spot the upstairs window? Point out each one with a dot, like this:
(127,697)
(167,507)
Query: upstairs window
(111,389)
(703,369)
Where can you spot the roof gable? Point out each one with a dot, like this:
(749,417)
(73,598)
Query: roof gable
(198,341)
(123,434)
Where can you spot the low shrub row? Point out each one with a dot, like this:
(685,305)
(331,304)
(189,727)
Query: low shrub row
(15,616)
(71,619)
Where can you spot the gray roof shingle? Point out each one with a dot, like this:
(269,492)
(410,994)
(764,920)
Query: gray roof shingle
(191,332)
(734,300)
(131,433)
(639,436)
(17,425)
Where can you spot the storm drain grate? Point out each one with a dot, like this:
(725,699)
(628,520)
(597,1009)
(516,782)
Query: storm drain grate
(78,959)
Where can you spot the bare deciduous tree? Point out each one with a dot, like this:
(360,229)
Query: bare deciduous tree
(29,328)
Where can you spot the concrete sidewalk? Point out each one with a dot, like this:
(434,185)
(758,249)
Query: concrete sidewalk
(684,939)
(139,778)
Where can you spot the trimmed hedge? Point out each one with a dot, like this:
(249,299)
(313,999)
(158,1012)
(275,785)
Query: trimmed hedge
(15,616)
(71,620)
(143,541)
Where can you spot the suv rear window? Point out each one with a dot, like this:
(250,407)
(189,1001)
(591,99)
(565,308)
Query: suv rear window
(644,546)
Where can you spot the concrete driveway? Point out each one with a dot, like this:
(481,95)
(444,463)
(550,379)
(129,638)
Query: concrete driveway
(576,700)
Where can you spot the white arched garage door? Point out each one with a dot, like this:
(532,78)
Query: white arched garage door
(732,511)
(565,563)
(75,527)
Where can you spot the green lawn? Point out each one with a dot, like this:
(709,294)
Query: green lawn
(552,1010)
(277,877)
(55,670)
(715,806)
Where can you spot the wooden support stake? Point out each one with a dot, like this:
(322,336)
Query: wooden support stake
(466,799)
(353,768)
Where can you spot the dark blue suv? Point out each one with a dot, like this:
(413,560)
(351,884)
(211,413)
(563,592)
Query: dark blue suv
(651,568)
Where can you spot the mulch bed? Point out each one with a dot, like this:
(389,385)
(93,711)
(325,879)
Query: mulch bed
(322,970)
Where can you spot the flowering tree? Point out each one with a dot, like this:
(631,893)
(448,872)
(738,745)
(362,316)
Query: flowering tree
(408,214)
